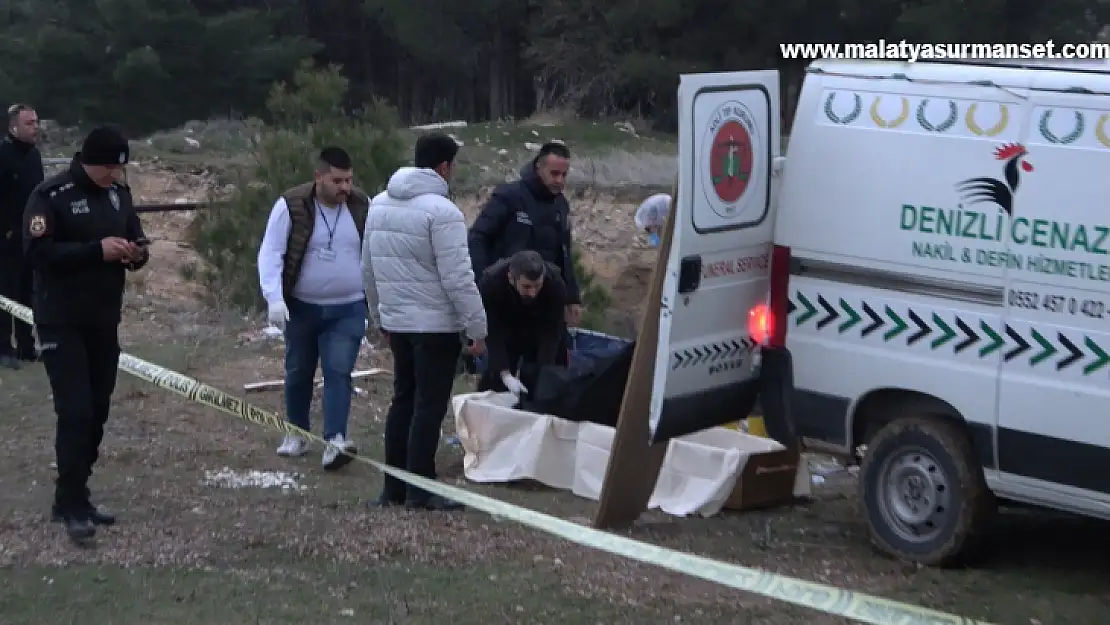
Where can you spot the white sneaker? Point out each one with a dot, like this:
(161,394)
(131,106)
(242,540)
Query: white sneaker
(333,459)
(292,446)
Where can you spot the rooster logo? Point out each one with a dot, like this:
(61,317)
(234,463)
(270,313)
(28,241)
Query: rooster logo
(975,190)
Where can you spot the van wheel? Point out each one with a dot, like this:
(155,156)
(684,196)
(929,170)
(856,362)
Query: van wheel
(923,494)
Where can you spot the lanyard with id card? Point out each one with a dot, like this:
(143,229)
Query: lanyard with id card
(328,253)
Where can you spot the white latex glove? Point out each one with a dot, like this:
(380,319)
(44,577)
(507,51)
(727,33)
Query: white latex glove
(513,384)
(278,315)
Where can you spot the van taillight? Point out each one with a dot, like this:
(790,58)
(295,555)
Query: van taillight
(761,324)
(767,322)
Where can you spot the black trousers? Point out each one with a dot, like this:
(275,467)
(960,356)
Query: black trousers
(424,367)
(81,364)
(15,284)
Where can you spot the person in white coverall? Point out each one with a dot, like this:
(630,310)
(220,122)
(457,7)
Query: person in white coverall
(651,216)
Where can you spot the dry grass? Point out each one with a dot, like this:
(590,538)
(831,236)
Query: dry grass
(185,552)
(189,553)
(203,541)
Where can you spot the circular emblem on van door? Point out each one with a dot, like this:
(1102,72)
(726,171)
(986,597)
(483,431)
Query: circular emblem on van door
(729,158)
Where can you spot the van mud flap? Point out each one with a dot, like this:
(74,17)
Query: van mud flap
(776,378)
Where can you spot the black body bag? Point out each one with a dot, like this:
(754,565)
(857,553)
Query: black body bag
(589,389)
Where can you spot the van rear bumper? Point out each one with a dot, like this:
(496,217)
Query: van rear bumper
(776,387)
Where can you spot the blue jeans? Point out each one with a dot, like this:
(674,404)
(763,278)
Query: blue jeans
(331,335)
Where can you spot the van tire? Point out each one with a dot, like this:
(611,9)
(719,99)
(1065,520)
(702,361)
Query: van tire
(940,467)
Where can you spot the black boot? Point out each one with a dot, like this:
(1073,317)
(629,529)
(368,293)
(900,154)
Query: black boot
(10,362)
(97,515)
(79,527)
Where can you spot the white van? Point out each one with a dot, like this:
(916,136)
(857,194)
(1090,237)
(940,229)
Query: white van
(939,279)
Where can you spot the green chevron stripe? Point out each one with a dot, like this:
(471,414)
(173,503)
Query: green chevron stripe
(810,312)
(853,317)
(899,325)
(949,333)
(1047,348)
(996,340)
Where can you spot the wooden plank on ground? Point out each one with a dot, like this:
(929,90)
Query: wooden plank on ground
(269,385)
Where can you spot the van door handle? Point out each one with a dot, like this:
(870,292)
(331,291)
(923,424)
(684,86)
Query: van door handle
(689,274)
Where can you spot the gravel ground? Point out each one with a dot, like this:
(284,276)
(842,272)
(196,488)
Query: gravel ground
(187,551)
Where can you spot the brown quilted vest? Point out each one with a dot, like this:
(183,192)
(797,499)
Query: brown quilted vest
(302,217)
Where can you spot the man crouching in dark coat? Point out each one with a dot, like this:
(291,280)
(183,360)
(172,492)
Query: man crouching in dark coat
(525,301)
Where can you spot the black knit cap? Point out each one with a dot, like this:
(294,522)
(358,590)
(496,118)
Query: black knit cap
(105,145)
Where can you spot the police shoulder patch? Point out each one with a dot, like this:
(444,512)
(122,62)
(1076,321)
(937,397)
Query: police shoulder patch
(37,227)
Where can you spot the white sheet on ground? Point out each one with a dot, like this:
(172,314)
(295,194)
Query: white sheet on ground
(502,444)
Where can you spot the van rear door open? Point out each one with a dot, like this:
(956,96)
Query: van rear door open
(718,269)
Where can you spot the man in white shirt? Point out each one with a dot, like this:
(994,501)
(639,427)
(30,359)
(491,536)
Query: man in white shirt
(309,267)
(421,294)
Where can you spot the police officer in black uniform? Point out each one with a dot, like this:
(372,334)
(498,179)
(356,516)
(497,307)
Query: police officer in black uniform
(531,214)
(81,233)
(20,172)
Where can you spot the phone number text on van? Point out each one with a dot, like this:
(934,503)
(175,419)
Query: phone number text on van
(1020,231)
(1032,300)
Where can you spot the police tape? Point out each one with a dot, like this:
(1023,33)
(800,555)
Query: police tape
(820,597)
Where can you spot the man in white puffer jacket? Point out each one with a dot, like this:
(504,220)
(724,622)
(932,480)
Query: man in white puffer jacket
(421,294)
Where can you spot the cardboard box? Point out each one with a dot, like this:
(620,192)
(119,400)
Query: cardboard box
(769,479)
(772,474)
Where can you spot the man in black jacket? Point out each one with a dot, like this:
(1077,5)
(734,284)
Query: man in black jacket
(81,232)
(20,172)
(525,301)
(531,214)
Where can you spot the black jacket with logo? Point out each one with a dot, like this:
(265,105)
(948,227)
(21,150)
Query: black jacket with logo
(20,172)
(65,220)
(525,215)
